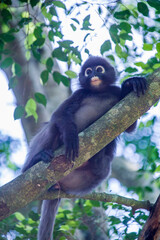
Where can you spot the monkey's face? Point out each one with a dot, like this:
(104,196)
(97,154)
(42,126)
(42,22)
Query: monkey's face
(96,74)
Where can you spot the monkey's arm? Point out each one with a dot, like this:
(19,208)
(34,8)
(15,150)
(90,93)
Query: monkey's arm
(64,120)
(60,129)
(136,84)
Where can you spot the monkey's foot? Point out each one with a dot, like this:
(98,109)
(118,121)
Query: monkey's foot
(45,155)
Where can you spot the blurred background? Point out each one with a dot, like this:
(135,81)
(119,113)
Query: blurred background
(42,46)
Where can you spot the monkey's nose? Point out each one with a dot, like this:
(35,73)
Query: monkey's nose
(95,81)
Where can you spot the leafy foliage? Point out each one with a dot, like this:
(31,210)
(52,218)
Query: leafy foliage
(8,146)
(129,37)
(19,227)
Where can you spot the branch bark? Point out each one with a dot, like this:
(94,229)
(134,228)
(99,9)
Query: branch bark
(151,229)
(30,185)
(103,197)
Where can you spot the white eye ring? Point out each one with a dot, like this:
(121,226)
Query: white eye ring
(100,69)
(88,71)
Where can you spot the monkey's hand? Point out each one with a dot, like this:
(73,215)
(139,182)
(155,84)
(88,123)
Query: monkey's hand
(71,142)
(136,84)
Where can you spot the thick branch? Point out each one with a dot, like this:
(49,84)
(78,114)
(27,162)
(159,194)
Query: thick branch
(33,183)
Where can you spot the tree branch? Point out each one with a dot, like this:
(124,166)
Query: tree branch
(30,185)
(151,229)
(103,197)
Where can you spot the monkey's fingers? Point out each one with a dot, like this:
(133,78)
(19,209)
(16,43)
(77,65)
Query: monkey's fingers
(75,152)
(141,85)
(72,148)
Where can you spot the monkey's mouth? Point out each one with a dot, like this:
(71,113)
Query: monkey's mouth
(96,81)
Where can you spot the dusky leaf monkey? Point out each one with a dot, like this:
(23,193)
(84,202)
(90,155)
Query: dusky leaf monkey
(97,95)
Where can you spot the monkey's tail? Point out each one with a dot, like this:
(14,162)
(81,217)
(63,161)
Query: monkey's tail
(48,214)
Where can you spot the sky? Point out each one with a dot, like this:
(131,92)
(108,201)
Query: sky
(11,127)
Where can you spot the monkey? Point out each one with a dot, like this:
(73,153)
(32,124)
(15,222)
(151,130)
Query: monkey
(96,96)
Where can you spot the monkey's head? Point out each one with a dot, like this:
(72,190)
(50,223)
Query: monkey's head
(96,74)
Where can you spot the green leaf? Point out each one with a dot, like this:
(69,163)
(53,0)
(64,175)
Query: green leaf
(44,76)
(158,47)
(58,77)
(49,64)
(147,47)
(1,44)
(12,82)
(73,27)
(143,8)
(87,51)
(6,37)
(55,24)
(6,15)
(8,2)
(71,74)
(111,57)
(95,203)
(40,98)
(59,4)
(18,112)
(131,70)
(64,228)
(113,31)
(51,35)
(59,54)
(75,20)
(45,13)
(34,2)
(106,46)
(142,65)
(6,62)
(65,44)
(31,108)
(88,34)
(157,169)
(34,216)
(16,69)
(86,23)
(75,59)
(38,32)
(39,42)
(125,36)
(118,50)
(114,220)
(52,10)
(19,216)
(24,21)
(122,15)
(157,55)
(125,26)
(36,52)
(28,55)
(154,3)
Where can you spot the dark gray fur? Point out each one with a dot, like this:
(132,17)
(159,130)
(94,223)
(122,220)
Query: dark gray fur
(79,111)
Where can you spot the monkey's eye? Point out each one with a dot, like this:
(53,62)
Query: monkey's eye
(88,71)
(100,69)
